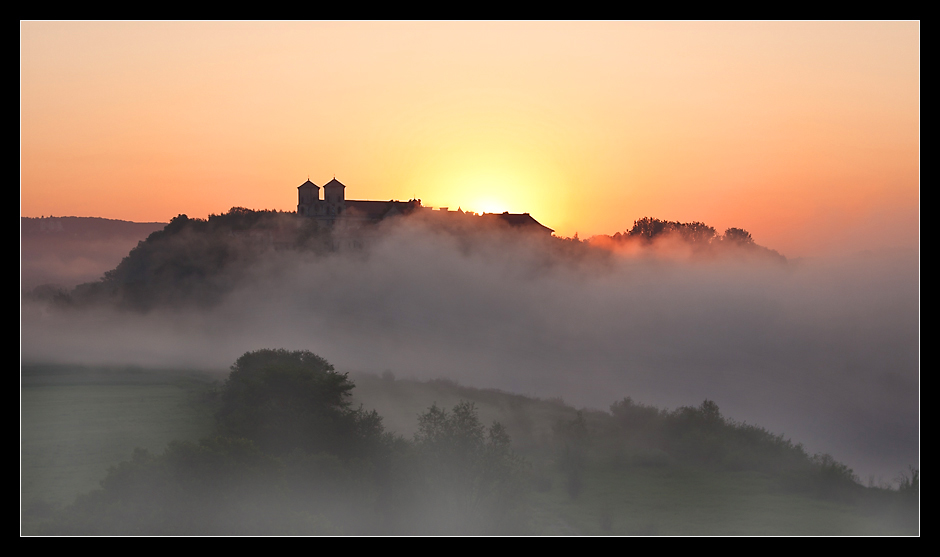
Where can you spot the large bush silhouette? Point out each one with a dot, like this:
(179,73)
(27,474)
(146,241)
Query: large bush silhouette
(287,401)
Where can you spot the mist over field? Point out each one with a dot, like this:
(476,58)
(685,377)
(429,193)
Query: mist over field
(825,351)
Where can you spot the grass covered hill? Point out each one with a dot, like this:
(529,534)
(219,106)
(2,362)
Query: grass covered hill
(416,457)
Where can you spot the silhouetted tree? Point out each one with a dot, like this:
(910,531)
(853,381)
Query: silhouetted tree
(286,400)
(647,229)
(697,233)
(698,433)
(738,236)
(474,479)
(637,422)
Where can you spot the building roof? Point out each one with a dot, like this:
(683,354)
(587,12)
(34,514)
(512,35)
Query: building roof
(334,183)
(518,220)
(307,184)
(376,210)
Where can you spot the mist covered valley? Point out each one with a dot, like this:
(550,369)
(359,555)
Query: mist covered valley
(824,352)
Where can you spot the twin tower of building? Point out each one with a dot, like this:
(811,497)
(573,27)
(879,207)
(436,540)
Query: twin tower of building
(334,206)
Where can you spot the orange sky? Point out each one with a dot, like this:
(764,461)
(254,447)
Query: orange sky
(804,133)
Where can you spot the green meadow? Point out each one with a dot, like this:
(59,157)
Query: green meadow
(584,476)
(76,422)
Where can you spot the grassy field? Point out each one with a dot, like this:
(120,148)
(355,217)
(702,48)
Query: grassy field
(675,500)
(77,422)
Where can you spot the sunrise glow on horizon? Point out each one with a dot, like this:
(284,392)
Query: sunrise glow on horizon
(804,133)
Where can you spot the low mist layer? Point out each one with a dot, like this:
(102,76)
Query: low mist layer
(66,251)
(824,351)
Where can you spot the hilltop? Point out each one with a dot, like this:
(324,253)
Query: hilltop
(198,261)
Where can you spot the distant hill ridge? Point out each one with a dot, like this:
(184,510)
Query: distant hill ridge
(67,251)
(86,227)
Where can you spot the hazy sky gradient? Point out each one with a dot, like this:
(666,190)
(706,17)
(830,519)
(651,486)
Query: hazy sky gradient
(804,133)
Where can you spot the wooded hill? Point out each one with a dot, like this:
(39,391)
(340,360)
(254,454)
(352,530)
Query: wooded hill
(196,262)
(297,449)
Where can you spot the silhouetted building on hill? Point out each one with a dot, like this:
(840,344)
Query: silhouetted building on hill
(334,204)
(334,207)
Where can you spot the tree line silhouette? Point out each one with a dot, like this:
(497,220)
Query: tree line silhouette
(697,234)
(197,262)
(292,455)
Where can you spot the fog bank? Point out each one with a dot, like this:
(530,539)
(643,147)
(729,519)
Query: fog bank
(825,351)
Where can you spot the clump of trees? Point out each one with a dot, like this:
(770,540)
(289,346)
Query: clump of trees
(700,238)
(291,455)
(702,436)
(473,480)
(648,229)
(294,400)
(196,262)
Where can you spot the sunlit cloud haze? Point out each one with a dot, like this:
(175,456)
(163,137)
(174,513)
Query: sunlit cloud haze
(825,352)
(804,133)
